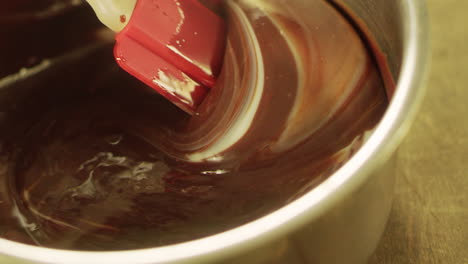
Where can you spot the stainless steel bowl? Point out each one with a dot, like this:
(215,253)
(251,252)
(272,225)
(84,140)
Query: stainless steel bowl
(339,221)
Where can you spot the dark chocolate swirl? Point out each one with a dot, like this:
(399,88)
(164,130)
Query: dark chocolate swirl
(94,160)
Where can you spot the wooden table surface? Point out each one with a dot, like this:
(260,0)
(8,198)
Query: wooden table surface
(429,221)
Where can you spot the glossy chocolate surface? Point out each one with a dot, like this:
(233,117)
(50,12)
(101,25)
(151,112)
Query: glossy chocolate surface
(91,159)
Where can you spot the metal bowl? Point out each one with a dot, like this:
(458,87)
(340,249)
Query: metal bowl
(342,219)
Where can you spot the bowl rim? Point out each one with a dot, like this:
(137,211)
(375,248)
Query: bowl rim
(380,145)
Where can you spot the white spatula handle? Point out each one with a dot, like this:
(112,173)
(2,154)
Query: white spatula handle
(115,14)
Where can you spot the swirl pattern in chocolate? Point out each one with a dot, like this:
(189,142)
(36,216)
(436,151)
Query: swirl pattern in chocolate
(93,160)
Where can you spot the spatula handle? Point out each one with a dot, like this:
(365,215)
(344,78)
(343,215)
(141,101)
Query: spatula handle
(115,14)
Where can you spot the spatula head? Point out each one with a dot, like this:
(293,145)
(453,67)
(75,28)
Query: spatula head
(174,46)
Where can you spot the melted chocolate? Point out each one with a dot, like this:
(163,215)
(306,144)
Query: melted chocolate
(93,160)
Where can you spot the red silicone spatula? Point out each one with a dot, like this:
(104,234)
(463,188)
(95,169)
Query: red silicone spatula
(174,46)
